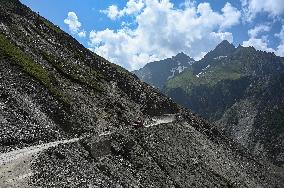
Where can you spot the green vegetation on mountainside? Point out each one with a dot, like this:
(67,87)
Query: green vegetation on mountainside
(210,77)
(10,51)
(51,26)
(70,71)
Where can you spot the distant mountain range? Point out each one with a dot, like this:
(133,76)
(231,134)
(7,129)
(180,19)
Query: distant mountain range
(240,91)
(157,73)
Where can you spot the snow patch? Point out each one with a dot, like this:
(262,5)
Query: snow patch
(198,74)
(220,57)
(190,62)
(202,72)
(178,69)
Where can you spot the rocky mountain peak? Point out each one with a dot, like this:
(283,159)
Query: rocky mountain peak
(182,57)
(223,49)
(225,44)
(158,72)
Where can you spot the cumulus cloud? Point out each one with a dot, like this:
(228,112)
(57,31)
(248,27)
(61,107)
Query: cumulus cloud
(74,25)
(82,34)
(251,8)
(257,30)
(73,22)
(162,31)
(258,43)
(132,7)
(280,48)
(112,12)
(257,40)
(188,3)
(231,14)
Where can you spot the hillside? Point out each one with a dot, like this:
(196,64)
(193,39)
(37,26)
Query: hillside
(239,90)
(68,120)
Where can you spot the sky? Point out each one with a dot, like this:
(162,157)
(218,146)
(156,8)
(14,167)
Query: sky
(134,32)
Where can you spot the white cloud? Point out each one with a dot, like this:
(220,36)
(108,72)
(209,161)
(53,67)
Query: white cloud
(281,34)
(257,40)
(253,7)
(74,25)
(82,34)
(280,48)
(163,31)
(72,22)
(231,16)
(112,12)
(260,41)
(188,3)
(257,30)
(132,7)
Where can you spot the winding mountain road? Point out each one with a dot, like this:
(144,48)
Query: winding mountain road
(15,166)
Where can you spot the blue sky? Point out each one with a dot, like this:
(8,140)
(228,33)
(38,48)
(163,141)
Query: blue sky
(135,32)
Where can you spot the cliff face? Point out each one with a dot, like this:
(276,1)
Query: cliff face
(69,119)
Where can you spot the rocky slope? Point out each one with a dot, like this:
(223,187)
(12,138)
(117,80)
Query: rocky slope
(158,72)
(240,90)
(67,120)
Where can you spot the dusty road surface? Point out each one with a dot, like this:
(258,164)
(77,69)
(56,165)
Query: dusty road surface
(15,166)
(167,118)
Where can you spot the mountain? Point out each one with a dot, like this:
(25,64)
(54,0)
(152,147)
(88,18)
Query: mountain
(158,72)
(70,118)
(241,91)
(221,50)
